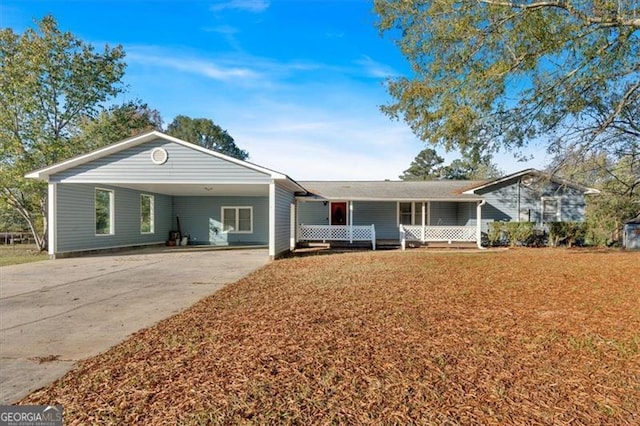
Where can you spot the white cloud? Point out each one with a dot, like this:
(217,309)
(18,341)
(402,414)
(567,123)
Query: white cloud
(254,6)
(216,70)
(375,69)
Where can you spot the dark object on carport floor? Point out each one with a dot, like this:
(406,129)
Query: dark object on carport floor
(174,237)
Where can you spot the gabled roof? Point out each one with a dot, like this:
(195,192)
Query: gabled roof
(443,190)
(45,172)
(531,172)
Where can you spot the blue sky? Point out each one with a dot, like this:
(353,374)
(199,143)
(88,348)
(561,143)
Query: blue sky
(297,83)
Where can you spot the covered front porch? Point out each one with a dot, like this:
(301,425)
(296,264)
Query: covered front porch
(407,223)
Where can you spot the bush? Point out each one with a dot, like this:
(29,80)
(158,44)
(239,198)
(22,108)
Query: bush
(569,233)
(512,233)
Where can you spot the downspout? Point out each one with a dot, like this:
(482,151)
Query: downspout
(479,224)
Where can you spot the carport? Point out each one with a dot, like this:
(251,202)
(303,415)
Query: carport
(131,193)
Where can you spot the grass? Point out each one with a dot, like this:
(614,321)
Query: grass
(543,336)
(16,254)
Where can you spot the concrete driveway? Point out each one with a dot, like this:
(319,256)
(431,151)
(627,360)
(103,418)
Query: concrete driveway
(56,312)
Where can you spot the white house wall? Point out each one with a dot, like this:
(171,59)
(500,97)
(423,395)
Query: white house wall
(184,165)
(75,217)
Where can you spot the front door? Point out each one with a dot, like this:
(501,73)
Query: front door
(338,213)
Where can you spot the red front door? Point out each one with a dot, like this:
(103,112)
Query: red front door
(338,213)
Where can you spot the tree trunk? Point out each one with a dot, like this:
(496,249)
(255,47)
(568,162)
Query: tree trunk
(40,239)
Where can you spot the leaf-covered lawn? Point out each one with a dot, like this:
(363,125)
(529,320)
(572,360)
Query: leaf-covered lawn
(520,337)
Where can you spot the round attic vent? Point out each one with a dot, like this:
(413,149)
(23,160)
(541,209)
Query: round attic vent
(159,156)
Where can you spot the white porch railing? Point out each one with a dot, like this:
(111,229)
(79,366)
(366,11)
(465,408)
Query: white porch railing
(437,234)
(337,233)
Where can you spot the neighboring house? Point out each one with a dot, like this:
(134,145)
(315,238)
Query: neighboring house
(132,193)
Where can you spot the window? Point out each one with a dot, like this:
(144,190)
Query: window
(104,211)
(550,209)
(410,213)
(146,214)
(237,220)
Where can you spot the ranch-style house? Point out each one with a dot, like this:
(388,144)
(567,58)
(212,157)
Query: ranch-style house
(143,190)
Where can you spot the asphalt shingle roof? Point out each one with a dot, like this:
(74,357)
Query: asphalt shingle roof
(392,190)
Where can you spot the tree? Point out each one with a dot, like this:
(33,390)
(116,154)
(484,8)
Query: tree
(207,134)
(50,82)
(465,169)
(495,74)
(117,123)
(424,167)
(428,165)
(619,182)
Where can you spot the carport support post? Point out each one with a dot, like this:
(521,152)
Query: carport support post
(479,223)
(272,220)
(52,193)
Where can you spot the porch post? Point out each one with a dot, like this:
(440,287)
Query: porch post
(423,224)
(479,224)
(350,222)
(403,242)
(52,208)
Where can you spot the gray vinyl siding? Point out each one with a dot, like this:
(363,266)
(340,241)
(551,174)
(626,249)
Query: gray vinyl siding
(75,218)
(382,214)
(313,213)
(443,213)
(200,218)
(466,213)
(511,201)
(184,164)
(283,201)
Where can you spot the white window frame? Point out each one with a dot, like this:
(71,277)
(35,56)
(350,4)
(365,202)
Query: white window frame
(152,214)
(237,219)
(416,212)
(543,201)
(112,211)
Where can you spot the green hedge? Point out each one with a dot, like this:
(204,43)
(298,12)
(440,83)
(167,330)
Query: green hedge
(511,233)
(568,233)
(525,234)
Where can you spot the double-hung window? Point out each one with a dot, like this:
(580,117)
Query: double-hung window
(104,211)
(237,220)
(550,209)
(410,213)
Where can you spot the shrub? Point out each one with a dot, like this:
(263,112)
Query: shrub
(511,233)
(569,233)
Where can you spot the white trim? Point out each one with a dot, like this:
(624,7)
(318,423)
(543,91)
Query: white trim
(112,212)
(551,177)
(292,227)
(163,159)
(158,182)
(152,213)
(466,199)
(272,220)
(237,219)
(52,214)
